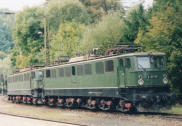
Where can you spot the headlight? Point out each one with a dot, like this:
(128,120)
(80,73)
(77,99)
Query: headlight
(140,81)
(165,80)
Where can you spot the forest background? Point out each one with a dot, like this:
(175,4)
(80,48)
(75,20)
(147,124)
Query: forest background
(77,26)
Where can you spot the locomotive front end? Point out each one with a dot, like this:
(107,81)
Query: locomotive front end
(146,82)
(152,70)
(152,82)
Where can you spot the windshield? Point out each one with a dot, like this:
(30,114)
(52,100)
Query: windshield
(40,74)
(158,61)
(143,62)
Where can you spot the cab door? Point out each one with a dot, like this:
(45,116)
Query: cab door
(37,80)
(73,76)
(121,73)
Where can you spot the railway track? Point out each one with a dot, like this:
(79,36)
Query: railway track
(28,117)
(179,117)
(159,114)
(163,115)
(172,116)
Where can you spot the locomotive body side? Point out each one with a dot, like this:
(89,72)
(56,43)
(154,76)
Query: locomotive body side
(136,81)
(19,84)
(82,79)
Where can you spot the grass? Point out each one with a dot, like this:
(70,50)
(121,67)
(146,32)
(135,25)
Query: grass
(177,109)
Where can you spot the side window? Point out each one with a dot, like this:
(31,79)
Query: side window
(121,64)
(109,66)
(87,69)
(48,73)
(128,63)
(73,70)
(61,72)
(79,70)
(53,73)
(158,62)
(68,71)
(99,67)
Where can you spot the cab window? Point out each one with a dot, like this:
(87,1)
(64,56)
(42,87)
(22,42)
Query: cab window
(128,63)
(121,64)
(73,70)
(158,61)
(143,62)
(33,74)
(48,73)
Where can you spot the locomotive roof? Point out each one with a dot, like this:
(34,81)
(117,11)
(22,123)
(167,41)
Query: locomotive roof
(97,59)
(143,53)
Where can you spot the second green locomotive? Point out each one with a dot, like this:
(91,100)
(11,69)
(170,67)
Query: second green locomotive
(135,81)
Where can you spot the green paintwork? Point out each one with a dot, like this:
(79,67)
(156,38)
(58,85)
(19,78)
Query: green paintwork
(109,79)
(121,77)
(19,85)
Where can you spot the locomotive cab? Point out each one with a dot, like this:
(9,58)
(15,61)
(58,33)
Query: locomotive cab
(143,70)
(152,70)
(145,82)
(37,86)
(37,78)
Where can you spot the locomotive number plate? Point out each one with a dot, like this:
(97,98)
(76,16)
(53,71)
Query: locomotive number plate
(152,76)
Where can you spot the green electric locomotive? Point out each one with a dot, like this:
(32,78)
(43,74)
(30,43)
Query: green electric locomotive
(135,81)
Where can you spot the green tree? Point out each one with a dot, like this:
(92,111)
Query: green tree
(3,55)
(164,35)
(99,8)
(7,23)
(66,42)
(65,11)
(175,70)
(136,19)
(13,54)
(26,35)
(5,66)
(103,35)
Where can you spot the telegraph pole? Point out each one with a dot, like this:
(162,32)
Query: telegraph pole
(45,40)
